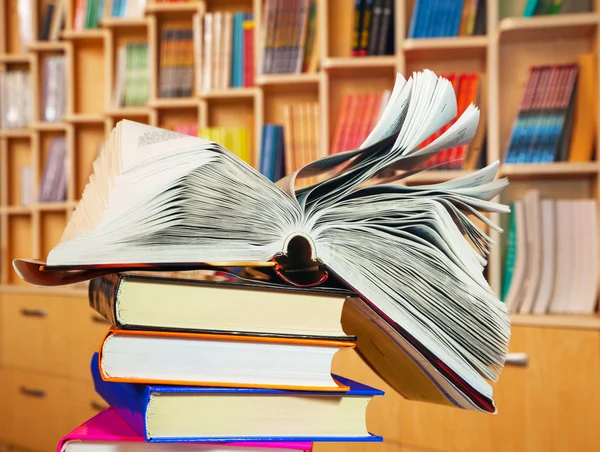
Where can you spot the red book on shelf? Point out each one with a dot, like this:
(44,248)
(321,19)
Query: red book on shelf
(248,67)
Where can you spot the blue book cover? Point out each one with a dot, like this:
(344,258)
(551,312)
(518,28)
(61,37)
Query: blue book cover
(237,50)
(131,402)
(454,19)
(279,163)
(267,150)
(414,21)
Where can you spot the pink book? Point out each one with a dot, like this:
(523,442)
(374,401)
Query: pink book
(107,432)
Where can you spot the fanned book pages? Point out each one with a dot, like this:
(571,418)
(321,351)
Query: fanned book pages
(159,199)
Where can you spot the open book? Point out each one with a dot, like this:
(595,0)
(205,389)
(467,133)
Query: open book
(158,198)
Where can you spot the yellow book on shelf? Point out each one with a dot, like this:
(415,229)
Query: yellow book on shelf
(585,119)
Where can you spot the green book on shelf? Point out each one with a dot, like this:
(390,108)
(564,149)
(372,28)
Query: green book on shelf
(511,253)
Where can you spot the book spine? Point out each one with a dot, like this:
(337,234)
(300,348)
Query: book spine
(300,40)
(358,8)
(375,27)
(386,22)
(45,31)
(366,27)
(103,293)
(249,52)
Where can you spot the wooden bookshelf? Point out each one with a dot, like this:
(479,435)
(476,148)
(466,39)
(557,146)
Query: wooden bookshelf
(511,46)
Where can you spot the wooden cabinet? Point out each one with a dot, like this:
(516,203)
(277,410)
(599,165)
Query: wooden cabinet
(552,404)
(49,334)
(46,345)
(34,413)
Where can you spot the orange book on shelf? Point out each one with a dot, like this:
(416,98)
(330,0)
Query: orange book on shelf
(340,127)
(585,117)
(219,360)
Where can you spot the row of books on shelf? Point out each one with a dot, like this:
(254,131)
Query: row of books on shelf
(16,103)
(132,76)
(289,41)
(226,50)
(235,139)
(176,63)
(556,121)
(53,185)
(89,13)
(544,7)
(54,89)
(470,88)
(373,27)
(187,373)
(361,111)
(448,18)
(551,257)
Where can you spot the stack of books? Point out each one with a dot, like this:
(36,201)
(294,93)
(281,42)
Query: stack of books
(237,360)
(426,321)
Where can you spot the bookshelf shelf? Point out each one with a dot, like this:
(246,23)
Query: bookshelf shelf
(360,62)
(18,210)
(115,22)
(287,79)
(184,7)
(548,27)
(84,34)
(184,102)
(47,46)
(558,169)
(231,93)
(51,206)
(574,321)
(84,118)
(49,126)
(15,59)
(15,133)
(129,111)
(446,48)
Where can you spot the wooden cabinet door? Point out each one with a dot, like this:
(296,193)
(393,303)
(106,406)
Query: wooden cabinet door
(34,411)
(552,404)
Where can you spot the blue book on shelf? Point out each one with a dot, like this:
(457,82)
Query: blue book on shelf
(160,413)
(414,21)
(268,148)
(454,18)
(237,51)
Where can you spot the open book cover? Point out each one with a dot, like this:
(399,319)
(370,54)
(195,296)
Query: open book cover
(108,428)
(159,199)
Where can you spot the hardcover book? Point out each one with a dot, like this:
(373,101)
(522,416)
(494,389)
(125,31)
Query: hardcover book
(108,432)
(219,360)
(204,414)
(149,301)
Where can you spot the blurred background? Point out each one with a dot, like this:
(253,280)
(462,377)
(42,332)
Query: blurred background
(281,83)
